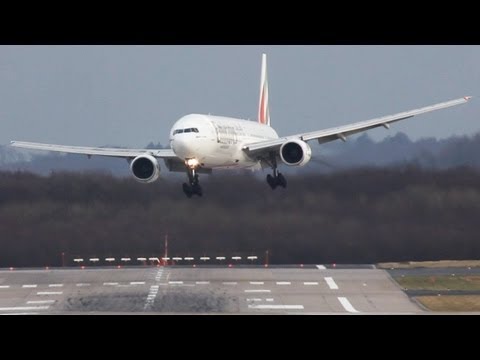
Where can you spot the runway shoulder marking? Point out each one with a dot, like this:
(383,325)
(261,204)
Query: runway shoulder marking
(257,291)
(284,283)
(50,293)
(321,267)
(331,283)
(310,283)
(55,285)
(346,305)
(276,307)
(29,286)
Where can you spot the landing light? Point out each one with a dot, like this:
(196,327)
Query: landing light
(192,163)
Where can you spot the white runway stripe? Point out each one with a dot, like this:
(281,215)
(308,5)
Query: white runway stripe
(284,283)
(276,307)
(29,286)
(4,286)
(229,283)
(321,267)
(137,282)
(175,282)
(41,302)
(257,291)
(24,308)
(310,283)
(50,293)
(331,283)
(110,283)
(257,283)
(346,304)
(202,282)
(55,285)
(82,284)
(20,313)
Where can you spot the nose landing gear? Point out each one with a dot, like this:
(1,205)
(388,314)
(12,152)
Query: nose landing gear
(193,187)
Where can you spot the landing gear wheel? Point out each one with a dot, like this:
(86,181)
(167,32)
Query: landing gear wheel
(272,181)
(281,181)
(187,189)
(196,189)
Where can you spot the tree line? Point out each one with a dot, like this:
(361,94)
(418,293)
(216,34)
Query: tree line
(354,216)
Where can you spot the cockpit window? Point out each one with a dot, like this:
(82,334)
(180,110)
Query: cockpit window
(181,131)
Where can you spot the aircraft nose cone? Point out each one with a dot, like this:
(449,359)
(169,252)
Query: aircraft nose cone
(182,147)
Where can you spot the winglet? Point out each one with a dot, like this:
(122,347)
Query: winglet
(467,97)
(263,108)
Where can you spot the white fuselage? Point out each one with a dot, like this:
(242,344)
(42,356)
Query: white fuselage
(216,141)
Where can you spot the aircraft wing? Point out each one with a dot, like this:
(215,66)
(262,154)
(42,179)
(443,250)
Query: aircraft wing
(96,151)
(341,132)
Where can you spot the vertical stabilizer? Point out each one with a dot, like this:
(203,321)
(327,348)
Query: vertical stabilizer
(263,108)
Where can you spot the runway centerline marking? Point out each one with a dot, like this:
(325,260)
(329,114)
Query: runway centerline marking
(202,282)
(257,283)
(29,286)
(284,283)
(137,282)
(110,283)
(257,291)
(175,282)
(346,305)
(4,286)
(83,284)
(331,283)
(310,283)
(55,285)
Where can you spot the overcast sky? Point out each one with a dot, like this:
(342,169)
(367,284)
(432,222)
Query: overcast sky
(131,95)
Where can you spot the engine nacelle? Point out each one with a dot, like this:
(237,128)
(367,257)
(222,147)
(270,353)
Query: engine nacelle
(145,168)
(295,153)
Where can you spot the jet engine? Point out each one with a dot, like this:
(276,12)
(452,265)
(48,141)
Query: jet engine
(295,153)
(145,168)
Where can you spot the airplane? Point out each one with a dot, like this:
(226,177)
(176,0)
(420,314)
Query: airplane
(203,143)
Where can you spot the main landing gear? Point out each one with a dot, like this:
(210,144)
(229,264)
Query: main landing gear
(277,179)
(193,187)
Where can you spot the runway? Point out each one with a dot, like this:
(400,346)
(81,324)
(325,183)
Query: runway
(203,290)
